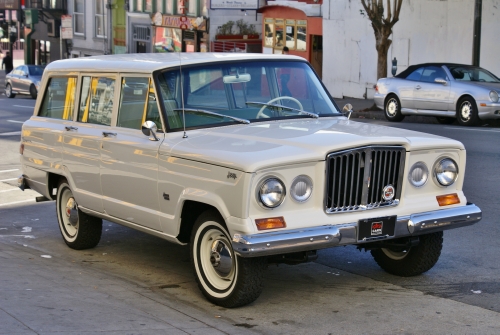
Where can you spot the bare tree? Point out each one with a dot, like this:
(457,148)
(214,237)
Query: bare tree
(382,27)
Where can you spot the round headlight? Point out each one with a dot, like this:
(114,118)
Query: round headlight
(301,188)
(419,173)
(446,171)
(272,192)
(494,96)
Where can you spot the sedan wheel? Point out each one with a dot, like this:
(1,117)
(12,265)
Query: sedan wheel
(467,112)
(393,109)
(8,91)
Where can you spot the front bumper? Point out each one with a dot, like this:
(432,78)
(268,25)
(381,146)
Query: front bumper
(488,110)
(314,238)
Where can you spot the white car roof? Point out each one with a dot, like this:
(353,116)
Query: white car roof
(150,62)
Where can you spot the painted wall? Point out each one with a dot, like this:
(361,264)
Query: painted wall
(490,45)
(427,31)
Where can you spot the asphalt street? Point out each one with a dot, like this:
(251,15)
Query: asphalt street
(133,283)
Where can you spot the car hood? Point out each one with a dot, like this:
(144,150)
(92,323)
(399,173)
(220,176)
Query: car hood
(261,145)
(489,86)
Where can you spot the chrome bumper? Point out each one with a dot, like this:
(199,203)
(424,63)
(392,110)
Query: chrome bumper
(282,242)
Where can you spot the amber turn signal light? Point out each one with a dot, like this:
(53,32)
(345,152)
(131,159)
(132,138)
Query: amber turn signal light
(270,223)
(448,199)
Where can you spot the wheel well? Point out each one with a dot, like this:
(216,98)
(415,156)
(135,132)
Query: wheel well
(389,95)
(464,96)
(190,212)
(53,183)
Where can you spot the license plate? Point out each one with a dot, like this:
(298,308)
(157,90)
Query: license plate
(376,228)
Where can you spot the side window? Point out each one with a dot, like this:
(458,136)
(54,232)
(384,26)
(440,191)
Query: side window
(415,75)
(59,98)
(431,73)
(96,104)
(137,103)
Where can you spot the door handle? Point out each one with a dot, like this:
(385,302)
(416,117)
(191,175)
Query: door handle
(108,134)
(418,87)
(70,128)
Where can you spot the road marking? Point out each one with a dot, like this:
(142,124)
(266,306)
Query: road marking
(17,202)
(12,189)
(11,179)
(489,130)
(11,133)
(24,106)
(9,170)
(15,121)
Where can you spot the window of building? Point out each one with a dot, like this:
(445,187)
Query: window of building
(139,5)
(100,18)
(148,6)
(79,17)
(285,32)
(96,102)
(59,98)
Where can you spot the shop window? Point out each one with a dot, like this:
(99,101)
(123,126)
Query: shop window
(301,44)
(168,40)
(279,34)
(269,32)
(290,34)
(79,17)
(59,98)
(100,14)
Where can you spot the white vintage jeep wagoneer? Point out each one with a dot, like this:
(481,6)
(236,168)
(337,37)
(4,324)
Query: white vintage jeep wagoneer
(246,158)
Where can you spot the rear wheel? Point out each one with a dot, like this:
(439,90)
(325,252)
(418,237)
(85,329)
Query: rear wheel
(467,112)
(445,120)
(79,230)
(224,278)
(411,261)
(392,109)
(33,91)
(8,91)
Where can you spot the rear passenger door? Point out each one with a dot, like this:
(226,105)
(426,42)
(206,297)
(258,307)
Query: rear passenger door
(129,159)
(82,139)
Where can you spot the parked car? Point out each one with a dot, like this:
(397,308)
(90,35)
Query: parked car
(207,150)
(24,79)
(447,91)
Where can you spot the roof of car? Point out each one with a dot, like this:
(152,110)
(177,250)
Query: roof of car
(411,68)
(150,62)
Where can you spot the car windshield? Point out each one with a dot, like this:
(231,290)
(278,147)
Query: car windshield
(35,70)
(472,73)
(227,93)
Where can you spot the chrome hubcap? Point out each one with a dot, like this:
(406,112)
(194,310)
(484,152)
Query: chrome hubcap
(221,258)
(392,107)
(466,110)
(71,212)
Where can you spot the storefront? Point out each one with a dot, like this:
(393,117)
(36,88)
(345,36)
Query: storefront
(299,29)
(179,34)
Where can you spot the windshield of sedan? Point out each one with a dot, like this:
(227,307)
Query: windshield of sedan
(228,93)
(471,73)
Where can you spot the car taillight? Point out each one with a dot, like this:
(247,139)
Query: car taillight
(376,88)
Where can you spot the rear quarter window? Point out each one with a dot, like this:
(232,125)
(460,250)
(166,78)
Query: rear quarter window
(59,98)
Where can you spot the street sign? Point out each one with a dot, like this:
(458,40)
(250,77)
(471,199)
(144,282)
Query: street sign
(66,27)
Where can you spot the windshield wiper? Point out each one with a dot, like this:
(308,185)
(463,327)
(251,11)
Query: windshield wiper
(313,115)
(202,111)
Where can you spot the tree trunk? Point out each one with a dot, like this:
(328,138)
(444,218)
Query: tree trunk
(382,45)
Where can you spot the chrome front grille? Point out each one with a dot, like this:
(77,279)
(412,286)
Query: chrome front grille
(355,178)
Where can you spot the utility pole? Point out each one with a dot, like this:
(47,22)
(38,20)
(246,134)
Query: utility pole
(476,41)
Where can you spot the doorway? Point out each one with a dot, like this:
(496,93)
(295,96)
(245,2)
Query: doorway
(317,54)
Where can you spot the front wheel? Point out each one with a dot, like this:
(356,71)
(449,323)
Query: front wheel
(411,261)
(79,230)
(467,112)
(392,109)
(224,278)
(33,91)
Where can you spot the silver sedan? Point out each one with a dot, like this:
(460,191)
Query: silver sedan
(24,79)
(447,91)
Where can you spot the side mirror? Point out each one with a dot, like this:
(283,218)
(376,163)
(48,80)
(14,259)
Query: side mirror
(149,129)
(441,81)
(347,110)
